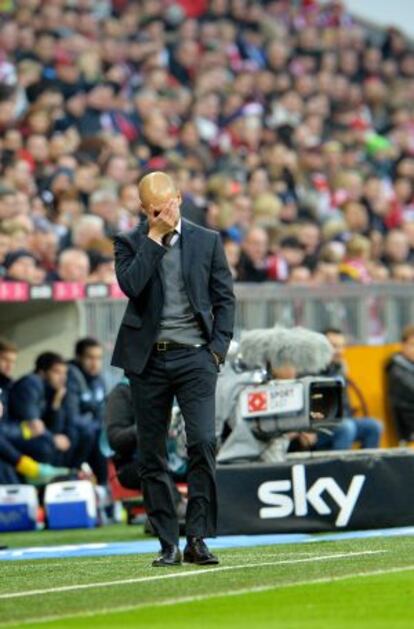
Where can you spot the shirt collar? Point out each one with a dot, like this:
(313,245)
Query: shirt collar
(172,237)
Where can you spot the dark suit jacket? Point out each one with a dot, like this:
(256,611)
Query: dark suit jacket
(207,279)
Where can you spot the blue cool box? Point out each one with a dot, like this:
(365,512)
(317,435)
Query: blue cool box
(73,515)
(18,508)
(16,517)
(70,505)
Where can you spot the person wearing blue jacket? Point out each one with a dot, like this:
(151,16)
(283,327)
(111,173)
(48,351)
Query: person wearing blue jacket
(86,392)
(39,423)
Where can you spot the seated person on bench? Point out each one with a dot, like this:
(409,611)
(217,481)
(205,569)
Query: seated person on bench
(123,440)
(15,467)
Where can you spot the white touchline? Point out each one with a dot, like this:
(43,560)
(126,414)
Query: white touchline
(132,559)
(202,597)
(181,575)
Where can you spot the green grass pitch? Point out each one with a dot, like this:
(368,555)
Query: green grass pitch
(367,583)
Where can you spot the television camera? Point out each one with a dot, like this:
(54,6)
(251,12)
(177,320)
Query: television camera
(270,391)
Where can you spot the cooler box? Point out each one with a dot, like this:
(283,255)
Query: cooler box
(70,505)
(18,508)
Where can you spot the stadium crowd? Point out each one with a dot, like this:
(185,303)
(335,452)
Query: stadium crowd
(288,126)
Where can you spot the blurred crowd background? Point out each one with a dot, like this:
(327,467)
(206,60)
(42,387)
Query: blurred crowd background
(289,127)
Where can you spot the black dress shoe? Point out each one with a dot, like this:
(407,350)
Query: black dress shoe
(169,556)
(196,551)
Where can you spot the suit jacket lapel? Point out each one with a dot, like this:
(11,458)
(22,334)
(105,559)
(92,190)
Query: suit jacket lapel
(187,251)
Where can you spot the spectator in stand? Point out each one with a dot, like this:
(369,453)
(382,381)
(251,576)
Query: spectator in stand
(102,269)
(45,245)
(356,217)
(242,218)
(88,231)
(257,264)
(400,386)
(73,266)
(300,275)
(86,396)
(402,272)
(38,410)
(103,203)
(21,266)
(355,267)
(129,203)
(292,251)
(310,237)
(232,251)
(253,264)
(396,248)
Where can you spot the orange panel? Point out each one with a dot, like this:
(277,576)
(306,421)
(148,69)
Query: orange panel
(366,368)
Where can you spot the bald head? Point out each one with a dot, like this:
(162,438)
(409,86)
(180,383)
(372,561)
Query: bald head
(156,190)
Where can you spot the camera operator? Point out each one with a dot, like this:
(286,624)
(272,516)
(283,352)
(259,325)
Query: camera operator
(364,430)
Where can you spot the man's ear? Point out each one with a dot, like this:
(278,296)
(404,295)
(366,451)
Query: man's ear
(179,198)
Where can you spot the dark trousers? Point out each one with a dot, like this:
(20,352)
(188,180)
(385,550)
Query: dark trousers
(189,374)
(40,448)
(85,448)
(127,472)
(8,453)
(9,457)
(8,475)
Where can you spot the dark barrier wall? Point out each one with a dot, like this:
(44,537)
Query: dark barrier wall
(355,491)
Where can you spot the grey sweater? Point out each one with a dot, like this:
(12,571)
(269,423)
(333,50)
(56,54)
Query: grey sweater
(178,322)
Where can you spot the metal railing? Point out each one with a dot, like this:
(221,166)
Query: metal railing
(367,314)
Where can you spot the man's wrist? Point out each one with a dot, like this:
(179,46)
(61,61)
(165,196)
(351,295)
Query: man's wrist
(155,237)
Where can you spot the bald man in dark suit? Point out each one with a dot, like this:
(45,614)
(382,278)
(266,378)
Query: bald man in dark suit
(173,338)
